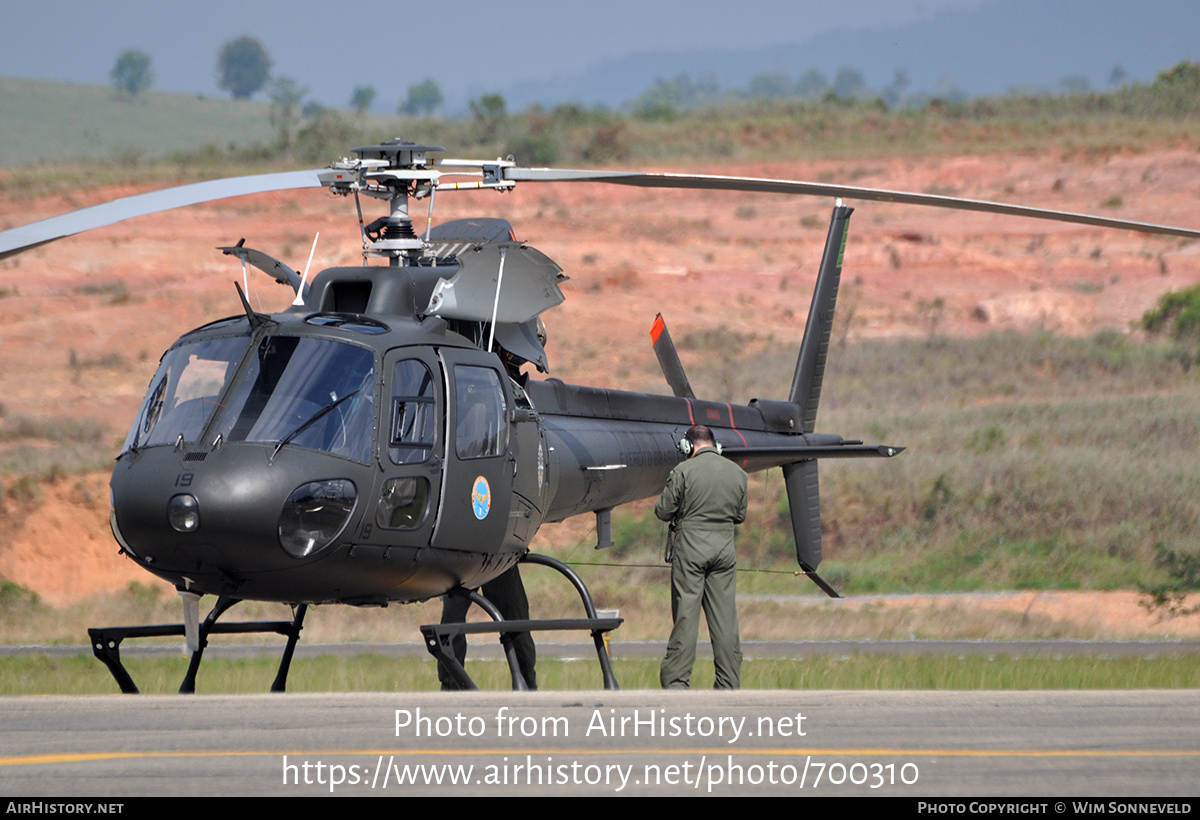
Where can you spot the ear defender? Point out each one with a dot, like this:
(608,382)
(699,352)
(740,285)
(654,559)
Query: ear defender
(685,447)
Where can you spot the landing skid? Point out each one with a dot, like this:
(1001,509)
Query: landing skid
(439,638)
(106,642)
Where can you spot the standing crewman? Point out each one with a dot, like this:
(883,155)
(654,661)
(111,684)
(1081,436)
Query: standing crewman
(705,498)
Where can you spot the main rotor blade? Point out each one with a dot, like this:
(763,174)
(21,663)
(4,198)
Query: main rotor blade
(20,239)
(783,186)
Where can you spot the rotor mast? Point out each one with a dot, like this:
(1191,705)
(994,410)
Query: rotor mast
(393,171)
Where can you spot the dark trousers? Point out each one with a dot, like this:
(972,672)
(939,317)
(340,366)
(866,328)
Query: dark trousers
(508,594)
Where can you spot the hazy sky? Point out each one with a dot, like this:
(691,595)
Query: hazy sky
(460,42)
(473,46)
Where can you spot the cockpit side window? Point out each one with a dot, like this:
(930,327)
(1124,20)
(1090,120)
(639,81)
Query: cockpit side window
(480,430)
(414,415)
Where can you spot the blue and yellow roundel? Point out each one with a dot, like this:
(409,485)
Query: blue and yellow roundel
(481,498)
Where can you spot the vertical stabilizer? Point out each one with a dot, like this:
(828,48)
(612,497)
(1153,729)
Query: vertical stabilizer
(804,496)
(810,366)
(804,501)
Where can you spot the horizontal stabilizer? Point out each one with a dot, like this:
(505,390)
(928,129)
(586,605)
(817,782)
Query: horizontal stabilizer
(761,458)
(803,452)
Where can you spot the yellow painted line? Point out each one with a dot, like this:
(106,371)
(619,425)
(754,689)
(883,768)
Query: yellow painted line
(84,757)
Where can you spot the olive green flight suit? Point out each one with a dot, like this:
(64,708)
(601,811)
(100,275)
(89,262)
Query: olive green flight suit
(705,496)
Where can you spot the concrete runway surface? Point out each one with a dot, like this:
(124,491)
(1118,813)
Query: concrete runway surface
(828,743)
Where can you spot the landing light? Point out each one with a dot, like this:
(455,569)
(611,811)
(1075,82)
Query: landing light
(315,514)
(183,513)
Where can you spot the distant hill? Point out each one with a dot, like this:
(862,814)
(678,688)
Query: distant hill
(43,121)
(46,121)
(1000,46)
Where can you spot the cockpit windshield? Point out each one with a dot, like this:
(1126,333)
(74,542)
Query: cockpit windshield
(183,393)
(305,392)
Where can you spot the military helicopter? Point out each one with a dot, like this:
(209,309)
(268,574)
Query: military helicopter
(377,442)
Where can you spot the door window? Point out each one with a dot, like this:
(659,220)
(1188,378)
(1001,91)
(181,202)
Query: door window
(414,413)
(480,430)
(403,503)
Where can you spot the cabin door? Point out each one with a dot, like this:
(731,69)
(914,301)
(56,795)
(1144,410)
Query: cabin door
(477,490)
(411,448)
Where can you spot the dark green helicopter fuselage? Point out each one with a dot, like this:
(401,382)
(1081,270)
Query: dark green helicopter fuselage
(322,456)
(357,449)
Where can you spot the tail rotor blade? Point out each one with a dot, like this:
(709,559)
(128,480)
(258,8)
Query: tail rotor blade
(668,359)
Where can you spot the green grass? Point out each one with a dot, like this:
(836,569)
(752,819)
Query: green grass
(1033,461)
(48,122)
(371,673)
(53,121)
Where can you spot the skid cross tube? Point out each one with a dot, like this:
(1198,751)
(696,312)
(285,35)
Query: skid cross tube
(106,643)
(439,638)
(440,642)
(589,606)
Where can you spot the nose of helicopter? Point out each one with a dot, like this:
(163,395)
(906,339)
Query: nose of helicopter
(233,512)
